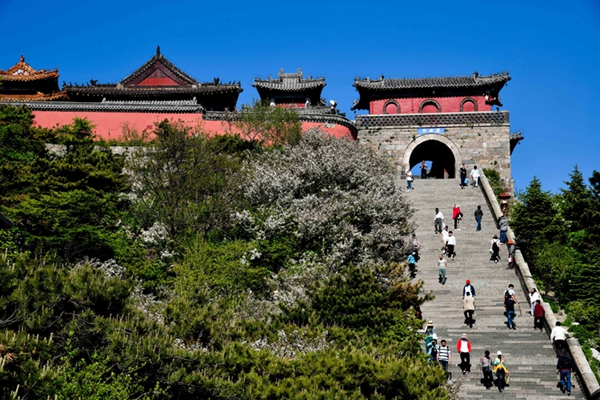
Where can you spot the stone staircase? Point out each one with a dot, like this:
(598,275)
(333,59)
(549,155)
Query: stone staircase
(529,355)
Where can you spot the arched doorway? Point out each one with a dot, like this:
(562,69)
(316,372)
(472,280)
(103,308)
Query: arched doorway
(440,151)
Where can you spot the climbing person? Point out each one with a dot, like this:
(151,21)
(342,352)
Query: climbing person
(464,349)
(451,246)
(564,367)
(442,269)
(463,175)
(438,220)
(445,357)
(538,316)
(468,288)
(423,170)
(409,180)
(478,216)
(411,265)
(433,351)
(456,216)
(558,337)
(509,304)
(503,225)
(495,249)
(469,309)
(430,335)
(511,254)
(444,238)
(534,295)
(416,246)
(501,372)
(510,292)
(475,174)
(485,365)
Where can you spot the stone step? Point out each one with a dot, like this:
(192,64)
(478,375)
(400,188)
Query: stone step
(529,354)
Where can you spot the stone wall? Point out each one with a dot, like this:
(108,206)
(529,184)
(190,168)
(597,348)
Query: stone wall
(487,146)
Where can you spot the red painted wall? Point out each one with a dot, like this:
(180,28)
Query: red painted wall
(412,106)
(109,125)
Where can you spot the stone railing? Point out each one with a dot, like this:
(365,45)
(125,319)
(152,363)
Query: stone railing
(436,119)
(584,374)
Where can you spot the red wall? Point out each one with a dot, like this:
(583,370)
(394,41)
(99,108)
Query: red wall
(109,125)
(412,106)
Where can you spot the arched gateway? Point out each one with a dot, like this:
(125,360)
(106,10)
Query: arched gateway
(441,151)
(445,121)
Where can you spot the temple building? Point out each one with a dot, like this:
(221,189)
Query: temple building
(156,91)
(22,83)
(444,120)
(293,90)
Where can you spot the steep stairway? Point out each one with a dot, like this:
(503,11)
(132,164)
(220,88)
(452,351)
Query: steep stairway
(529,355)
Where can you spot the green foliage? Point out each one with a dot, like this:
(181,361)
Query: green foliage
(536,220)
(493,177)
(265,124)
(180,181)
(167,297)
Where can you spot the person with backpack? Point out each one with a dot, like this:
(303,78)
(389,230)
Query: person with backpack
(485,364)
(433,351)
(495,249)
(469,309)
(512,247)
(456,216)
(464,349)
(445,357)
(468,288)
(501,371)
(564,367)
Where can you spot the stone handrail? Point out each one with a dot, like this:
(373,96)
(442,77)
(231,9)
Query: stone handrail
(584,373)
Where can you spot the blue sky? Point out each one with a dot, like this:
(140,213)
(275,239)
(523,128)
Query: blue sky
(550,48)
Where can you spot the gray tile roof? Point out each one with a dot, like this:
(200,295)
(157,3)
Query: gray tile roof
(469,81)
(294,82)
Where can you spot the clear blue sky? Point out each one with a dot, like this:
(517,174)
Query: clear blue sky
(551,49)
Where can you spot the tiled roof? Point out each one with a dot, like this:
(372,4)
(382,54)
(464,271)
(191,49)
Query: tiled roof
(144,91)
(24,72)
(431,83)
(147,107)
(158,57)
(294,82)
(34,97)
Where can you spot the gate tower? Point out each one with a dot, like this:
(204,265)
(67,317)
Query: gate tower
(446,121)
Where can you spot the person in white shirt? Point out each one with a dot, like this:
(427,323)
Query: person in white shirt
(534,295)
(475,176)
(559,336)
(450,244)
(438,220)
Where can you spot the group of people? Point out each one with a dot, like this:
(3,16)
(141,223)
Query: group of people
(475,174)
(442,354)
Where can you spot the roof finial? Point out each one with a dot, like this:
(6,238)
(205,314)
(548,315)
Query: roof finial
(157,50)
(22,58)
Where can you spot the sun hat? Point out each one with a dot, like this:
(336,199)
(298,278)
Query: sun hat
(464,336)
(499,353)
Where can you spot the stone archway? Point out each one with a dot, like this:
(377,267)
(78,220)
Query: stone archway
(441,151)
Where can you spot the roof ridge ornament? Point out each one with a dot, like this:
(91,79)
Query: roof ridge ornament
(157,51)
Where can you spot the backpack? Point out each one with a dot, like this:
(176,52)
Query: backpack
(507,295)
(564,363)
(495,246)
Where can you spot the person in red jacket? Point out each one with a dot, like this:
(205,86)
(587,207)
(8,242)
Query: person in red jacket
(538,316)
(464,349)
